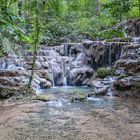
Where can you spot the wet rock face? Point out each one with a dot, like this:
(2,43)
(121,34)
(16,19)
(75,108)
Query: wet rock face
(76,62)
(68,64)
(102,87)
(102,53)
(130,59)
(132,27)
(80,76)
(128,65)
(128,87)
(15,73)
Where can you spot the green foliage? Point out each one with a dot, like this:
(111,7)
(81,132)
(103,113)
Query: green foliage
(63,20)
(11,28)
(118,8)
(103,72)
(111,33)
(121,9)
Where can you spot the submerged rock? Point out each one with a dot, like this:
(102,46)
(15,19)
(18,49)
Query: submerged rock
(76,96)
(44,98)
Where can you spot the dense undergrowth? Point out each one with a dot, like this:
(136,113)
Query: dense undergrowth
(64,21)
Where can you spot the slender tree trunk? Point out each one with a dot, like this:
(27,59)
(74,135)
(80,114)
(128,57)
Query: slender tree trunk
(139,6)
(35,53)
(99,7)
(20,8)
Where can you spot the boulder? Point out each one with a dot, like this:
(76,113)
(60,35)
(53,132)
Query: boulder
(78,76)
(128,87)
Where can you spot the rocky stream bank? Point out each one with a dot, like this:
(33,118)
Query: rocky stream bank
(75,64)
(106,69)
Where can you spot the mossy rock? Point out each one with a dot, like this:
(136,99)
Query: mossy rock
(104,72)
(121,87)
(6,92)
(77,96)
(25,90)
(43,98)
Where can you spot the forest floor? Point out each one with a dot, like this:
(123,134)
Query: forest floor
(101,119)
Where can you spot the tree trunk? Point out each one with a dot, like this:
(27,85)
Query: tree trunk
(99,7)
(35,53)
(20,8)
(139,6)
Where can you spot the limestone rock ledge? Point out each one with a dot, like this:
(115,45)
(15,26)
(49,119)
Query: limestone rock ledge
(128,87)
(128,84)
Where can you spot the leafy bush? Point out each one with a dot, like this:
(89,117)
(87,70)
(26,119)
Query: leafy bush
(103,72)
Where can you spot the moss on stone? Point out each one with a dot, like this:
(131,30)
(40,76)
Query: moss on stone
(77,96)
(25,90)
(103,72)
(43,98)
(7,92)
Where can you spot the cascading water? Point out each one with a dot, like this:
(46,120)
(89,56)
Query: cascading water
(111,88)
(110,54)
(64,78)
(3,65)
(136,40)
(65,81)
(66,49)
(52,69)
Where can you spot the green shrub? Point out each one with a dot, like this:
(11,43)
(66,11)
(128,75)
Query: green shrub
(103,72)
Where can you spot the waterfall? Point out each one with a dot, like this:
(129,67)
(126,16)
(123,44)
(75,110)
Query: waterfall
(65,81)
(110,54)
(111,88)
(52,68)
(136,39)
(66,49)
(3,64)
(64,78)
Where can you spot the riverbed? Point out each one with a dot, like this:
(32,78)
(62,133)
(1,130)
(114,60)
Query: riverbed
(102,118)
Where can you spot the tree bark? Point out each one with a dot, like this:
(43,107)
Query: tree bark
(35,53)
(20,8)
(99,7)
(139,6)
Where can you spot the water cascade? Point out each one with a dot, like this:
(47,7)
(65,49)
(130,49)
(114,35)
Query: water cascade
(136,40)
(66,50)
(64,78)
(110,54)
(52,69)
(65,81)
